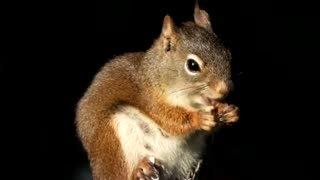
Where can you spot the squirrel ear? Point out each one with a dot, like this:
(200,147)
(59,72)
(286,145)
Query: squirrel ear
(168,32)
(201,17)
(168,26)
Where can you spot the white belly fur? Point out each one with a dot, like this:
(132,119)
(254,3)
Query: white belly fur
(179,156)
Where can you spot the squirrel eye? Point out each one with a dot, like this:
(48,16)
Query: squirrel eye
(193,66)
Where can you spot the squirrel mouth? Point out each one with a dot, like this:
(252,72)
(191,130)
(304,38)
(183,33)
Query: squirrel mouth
(200,102)
(204,101)
(211,101)
(207,101)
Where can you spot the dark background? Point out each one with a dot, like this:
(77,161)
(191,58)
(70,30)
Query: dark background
(51,51)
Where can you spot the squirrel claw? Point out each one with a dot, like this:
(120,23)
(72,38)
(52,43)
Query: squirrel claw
(148,169)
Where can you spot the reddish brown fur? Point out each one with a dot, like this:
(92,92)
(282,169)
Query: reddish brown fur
(171,119)
(106,159)
(134,79)
(97,106)
(94,110)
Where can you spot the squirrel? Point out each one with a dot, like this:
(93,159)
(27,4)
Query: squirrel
(146,115)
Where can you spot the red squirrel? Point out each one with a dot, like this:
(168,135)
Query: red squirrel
(146,114)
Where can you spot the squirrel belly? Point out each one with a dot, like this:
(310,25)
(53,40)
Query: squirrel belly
(140,136)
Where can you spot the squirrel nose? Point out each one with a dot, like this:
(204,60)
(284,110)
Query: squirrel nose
(222,89)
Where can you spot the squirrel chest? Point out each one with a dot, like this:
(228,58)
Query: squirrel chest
(140,136)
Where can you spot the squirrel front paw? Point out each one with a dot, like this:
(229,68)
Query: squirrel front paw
(227,113)
(220,113)
(148,169)
(207,118)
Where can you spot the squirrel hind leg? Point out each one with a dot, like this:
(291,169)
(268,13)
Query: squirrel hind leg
(148,168)
(107,162)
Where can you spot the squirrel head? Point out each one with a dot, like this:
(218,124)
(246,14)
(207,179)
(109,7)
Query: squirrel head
(188,64)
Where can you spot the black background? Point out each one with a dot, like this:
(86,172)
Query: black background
(52,50)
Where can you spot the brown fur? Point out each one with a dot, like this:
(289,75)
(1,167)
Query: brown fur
(94,110)
(137,79)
